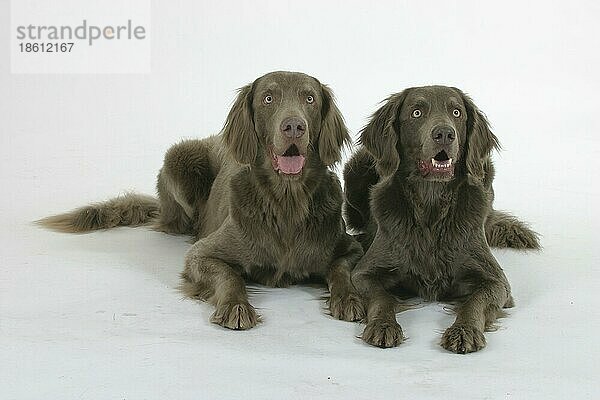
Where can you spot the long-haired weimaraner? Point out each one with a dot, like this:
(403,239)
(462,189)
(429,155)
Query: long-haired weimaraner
(259,198)
(420,192)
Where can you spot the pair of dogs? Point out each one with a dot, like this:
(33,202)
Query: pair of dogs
(264,207)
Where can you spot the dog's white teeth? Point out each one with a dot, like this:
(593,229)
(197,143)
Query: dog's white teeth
(441,164)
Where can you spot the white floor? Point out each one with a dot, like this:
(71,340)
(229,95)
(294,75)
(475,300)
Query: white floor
(98,316)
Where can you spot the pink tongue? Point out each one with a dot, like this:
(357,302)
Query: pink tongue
(290,165)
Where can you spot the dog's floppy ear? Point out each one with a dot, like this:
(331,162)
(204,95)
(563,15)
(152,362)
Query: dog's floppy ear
(239,134)
(380,137)
(334,134)
(480,141)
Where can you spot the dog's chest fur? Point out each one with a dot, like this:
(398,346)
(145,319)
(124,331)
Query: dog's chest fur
(293,235)
(435,225)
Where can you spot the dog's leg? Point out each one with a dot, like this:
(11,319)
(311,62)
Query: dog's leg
(173,216)
(478,311)
(184,184)
(344,302)
(219,283)
(382,329)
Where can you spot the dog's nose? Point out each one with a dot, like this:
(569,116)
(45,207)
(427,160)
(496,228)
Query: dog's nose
(293,127)
(443,134)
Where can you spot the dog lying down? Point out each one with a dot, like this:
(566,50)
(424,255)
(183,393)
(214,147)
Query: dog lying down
(264,207)
(420,190)
(259,198)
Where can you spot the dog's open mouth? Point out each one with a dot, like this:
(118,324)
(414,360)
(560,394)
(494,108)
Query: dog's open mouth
(441,165)
(289,163)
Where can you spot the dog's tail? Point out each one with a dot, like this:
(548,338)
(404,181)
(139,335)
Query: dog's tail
(505,230)
(127,210)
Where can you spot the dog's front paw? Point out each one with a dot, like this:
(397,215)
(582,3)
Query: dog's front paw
(463,339)
(238,316)
(347,307)
(383,333)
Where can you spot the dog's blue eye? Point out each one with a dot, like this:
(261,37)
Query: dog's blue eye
(268,99)
(310,99)
(456,112)
(417,113)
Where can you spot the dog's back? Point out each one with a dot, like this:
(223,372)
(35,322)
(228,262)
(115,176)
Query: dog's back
(184,186)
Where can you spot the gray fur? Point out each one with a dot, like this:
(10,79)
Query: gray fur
(424,230)
(251,221)
(366,167)
(127,210)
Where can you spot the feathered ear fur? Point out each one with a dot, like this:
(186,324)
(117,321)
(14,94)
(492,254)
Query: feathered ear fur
(380,137)
(334,134)
(239,134)
(480,141)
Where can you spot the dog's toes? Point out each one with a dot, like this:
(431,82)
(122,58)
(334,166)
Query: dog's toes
(238,316)
(349,307)
(463,339)
(383,334)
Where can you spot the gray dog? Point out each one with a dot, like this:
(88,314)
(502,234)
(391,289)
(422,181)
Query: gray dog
(420,190)
(259,197)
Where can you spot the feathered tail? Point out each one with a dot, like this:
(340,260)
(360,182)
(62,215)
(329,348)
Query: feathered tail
(505,230)
(127,210)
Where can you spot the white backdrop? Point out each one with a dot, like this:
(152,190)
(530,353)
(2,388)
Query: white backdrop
(97,316)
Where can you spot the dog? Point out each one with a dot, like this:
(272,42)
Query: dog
(259,198)
(419,190)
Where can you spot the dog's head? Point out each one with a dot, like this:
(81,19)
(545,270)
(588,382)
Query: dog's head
(281,121)
(431,132)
